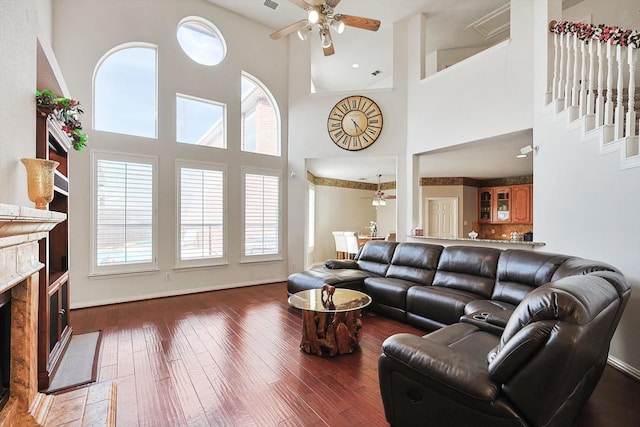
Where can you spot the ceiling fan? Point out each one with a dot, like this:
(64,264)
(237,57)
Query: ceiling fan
(379,198)
(321,16)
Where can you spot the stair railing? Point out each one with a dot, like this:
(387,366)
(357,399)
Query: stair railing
(588,60)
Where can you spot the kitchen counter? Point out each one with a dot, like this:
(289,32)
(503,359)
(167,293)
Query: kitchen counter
(480,242)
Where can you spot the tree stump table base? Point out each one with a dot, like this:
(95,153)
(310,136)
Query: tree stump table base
(331,319)
(329,334)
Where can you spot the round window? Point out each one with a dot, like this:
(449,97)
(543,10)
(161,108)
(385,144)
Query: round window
(201,41)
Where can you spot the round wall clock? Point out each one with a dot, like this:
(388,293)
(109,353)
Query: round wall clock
(355,123)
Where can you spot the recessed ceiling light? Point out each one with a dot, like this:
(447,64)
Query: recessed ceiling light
(355,65)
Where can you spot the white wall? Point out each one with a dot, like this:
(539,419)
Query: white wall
(79,46)
(18,30)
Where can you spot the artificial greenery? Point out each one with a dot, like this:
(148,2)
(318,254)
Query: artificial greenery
(66,111)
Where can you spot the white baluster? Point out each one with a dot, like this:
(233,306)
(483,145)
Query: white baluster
(567,83)
(619,112)
(632,57)
(576,76)
(561,68)
(582,100)
(591,86)
(600,86)
(608,105)
(556,59)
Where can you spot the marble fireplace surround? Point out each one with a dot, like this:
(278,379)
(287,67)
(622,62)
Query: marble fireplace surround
(20,230)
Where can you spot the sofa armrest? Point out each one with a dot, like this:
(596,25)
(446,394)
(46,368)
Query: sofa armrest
(341,263)
(455,370)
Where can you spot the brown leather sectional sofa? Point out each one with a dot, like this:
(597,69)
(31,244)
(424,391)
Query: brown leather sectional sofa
(520,338)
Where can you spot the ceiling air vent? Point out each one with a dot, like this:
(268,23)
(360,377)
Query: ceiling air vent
(494,23)
(271,4)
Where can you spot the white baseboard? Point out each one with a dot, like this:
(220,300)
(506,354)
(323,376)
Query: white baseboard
(624,367)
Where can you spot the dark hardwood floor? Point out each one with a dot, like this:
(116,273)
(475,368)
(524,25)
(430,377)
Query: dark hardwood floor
(232,358)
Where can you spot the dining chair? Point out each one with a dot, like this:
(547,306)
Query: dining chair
(341,244)
(351,238)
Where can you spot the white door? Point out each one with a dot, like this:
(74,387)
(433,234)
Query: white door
(442,217)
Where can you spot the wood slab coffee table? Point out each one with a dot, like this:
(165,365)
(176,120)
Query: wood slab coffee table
(331,319)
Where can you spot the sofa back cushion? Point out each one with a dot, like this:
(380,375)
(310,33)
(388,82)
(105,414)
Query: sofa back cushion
(375,256)
(521,271)
(416,262)
(468,268)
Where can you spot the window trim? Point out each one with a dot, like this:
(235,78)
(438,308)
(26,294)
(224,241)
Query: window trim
(311,217)
(266,257)
(200,262)
(95,269)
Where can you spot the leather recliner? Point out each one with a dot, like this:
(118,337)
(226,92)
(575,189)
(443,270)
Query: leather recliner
(539,372)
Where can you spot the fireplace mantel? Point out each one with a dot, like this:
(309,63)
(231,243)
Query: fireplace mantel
(20,230)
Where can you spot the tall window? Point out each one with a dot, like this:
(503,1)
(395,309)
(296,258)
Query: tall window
(201,214)
(312,216)
(124,206)
(260,118)
(261,214)
(125,91)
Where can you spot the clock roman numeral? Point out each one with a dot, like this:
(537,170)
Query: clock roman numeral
(373,121)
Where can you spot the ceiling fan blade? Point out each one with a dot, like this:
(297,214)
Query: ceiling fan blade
(301,3)
(359,22)
(288,29)
(328,51)
(390,197)
(332,3)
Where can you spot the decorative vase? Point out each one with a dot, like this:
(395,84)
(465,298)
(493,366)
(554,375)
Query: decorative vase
(40,173)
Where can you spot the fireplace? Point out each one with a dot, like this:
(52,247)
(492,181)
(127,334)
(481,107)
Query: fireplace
(20,230)
(5,347)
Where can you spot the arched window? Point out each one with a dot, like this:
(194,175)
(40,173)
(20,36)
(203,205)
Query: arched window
(260,118)
(201,41)
(125,91)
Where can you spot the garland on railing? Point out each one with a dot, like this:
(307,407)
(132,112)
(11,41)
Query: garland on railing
(585,32)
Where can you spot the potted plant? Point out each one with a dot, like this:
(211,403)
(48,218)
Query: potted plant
(66,111)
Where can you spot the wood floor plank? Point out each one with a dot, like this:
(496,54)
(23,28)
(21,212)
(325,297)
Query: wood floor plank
(233,358)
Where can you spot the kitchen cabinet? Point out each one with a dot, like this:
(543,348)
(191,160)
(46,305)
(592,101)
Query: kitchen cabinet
(505,205)
(485,205)
(521,202)
(54,329)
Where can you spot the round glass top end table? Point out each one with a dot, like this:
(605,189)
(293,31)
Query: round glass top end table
(331,319)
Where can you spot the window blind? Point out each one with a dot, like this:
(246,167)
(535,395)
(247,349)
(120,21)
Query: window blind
(201,214)
(124,213)
(262,215)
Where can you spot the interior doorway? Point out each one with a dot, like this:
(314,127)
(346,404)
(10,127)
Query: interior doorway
(441,216)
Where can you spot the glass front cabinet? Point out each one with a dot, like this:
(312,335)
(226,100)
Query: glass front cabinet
(485,204)
(502,206)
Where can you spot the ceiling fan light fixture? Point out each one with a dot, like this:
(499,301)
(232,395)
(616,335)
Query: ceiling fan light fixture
(378,202)
(313,16)
(338,26)
(303,33)
(325,41)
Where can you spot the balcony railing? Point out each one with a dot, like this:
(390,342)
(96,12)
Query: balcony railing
(594,77)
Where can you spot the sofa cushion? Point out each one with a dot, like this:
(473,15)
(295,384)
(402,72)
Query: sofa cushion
(441,304)
(519,272)
(416,262)
(375,256)
(468,268)
(315,278)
